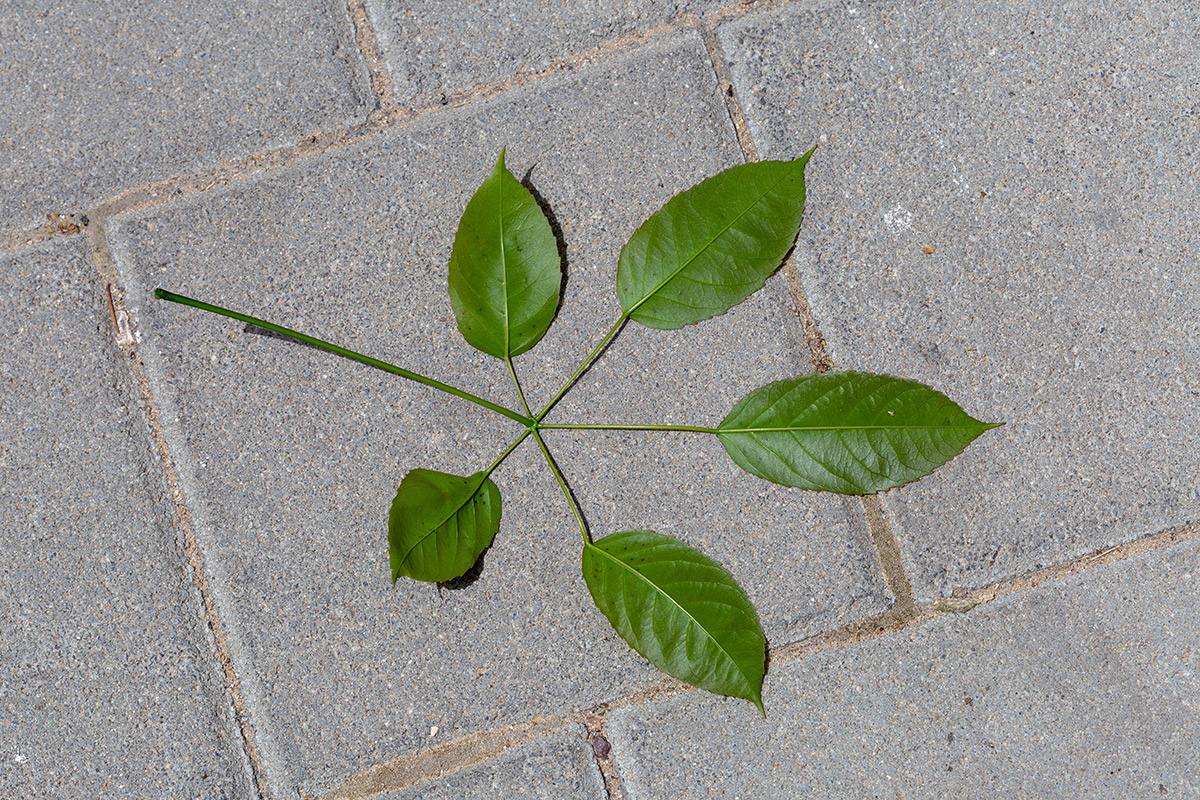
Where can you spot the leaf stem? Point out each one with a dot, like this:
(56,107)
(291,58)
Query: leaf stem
(162,294)
(582,367)
(581,427)
(562,484)
(504,455)
(521,394)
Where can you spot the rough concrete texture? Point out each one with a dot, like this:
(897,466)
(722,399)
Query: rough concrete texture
(1085,687)
(559,767)
(290,457)
(438,48)
(1047,153)
(108,684)
(102,96)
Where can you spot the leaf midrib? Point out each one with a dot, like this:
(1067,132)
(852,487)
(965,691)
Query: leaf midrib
(685,612)
(503,253)
(850,428)
(707,245)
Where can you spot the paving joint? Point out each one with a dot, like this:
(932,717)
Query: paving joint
(56,225)
(891,561)
(126,341)
(594,720)
(377,68)
(444,759)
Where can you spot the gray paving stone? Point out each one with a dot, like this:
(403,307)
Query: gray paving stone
(103,96)
(437,48)
(559,767)
(108,684)
(1047,152)
(1086,687)
(291,457)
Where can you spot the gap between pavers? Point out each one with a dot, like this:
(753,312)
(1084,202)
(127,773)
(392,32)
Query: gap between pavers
(290,462)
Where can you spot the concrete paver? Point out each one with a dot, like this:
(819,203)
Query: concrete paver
(108,685)
(438,48)
(1084,687)
(290,457)
(559,767)
(103,96)
(1046,152)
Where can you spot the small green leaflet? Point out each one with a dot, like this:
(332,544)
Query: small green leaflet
(847,432)
(505,272)
(440,524)
(712,246)
(680,609)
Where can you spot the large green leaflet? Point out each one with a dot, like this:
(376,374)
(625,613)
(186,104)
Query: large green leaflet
(441,523)
(712,246)
(680,609)
(847,432)
(505,272)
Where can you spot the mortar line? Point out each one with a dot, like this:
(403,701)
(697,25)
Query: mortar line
(377,67)
(65,225)
(103,262)
(439,761)
(594,719)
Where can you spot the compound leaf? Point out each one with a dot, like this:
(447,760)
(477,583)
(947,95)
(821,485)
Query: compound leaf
(847,432)
(680,609)
(440,524)
(712,246)
(505,272)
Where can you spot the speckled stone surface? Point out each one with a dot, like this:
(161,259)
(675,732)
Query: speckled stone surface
(439,48)
(1083,687)
(559,767)
(290,457)
(109,686)
(1047,154)
(106,95)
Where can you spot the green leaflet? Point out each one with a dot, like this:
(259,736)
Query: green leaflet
(848,432)
(712,246)
(680,609)
(440,524)
(505,272)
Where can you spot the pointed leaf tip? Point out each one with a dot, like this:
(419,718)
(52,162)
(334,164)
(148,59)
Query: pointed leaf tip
(505,272)
(440,524)
(846,432)
(680,609)
(712,246)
